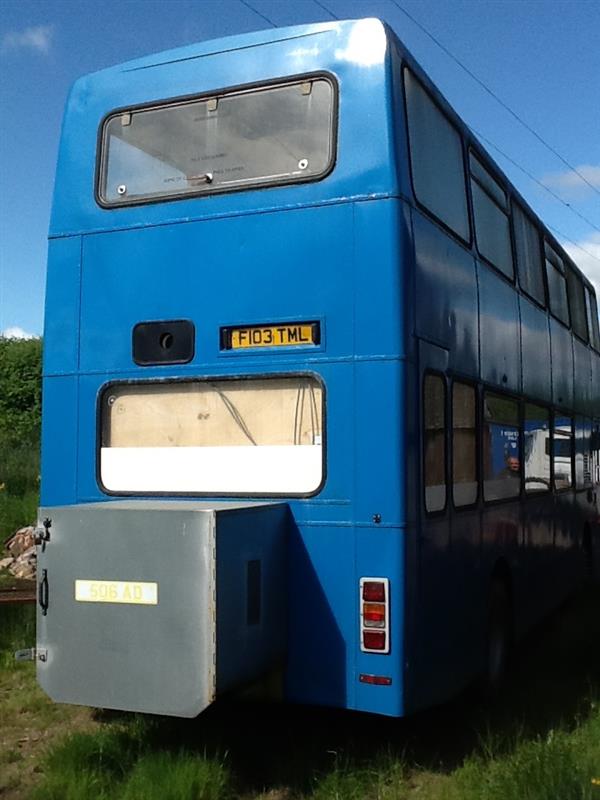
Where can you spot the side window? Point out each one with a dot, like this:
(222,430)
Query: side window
(529,255)
(577,304)
(596,453)
(464,444)
(492,223)
(562,452)
(557,284)
(501,448)
(434,442)
(583,453)
(436,159)
(536,448)
(591,307)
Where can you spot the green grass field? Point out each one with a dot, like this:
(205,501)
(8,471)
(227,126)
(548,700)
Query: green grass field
(540,740)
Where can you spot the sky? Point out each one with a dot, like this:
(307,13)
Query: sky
(540,57)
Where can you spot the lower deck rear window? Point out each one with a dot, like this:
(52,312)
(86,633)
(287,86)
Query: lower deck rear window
(262,135)
(255,436)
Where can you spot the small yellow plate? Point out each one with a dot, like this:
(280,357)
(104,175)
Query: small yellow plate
(134,592)
(292,335)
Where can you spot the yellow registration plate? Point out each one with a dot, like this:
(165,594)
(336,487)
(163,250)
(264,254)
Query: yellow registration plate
(286,335)
(135,592)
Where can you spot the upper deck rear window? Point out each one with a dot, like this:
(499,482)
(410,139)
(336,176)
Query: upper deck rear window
(266,135)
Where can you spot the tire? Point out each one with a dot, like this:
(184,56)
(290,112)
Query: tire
(499,637)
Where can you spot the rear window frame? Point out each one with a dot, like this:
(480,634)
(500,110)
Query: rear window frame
(290,80)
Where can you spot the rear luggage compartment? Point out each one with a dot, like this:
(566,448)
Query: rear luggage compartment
(159,606)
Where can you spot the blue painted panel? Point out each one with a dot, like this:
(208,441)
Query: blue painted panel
(535,347)
(322,616)
(446,295)
(380,273)
(595,390)
(264,268)
(59,441)
(379,457)
(61,318)
(582,399)
(356,53)
(562,364)
(380,553)
(499,331)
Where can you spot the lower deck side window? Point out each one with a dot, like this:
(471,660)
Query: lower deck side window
(240,437)
(434,442)
(464,444)
(501,448)
(536,448)
(562,450)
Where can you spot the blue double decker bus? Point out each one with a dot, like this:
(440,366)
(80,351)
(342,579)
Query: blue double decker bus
(321,392)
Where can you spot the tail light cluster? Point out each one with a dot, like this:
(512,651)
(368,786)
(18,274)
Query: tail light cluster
(375,615)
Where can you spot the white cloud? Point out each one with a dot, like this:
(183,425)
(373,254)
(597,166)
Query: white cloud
(586,254)
(570,185)
(38,38)
(16,333)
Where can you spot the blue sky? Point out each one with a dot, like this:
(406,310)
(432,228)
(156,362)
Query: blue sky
(541,57)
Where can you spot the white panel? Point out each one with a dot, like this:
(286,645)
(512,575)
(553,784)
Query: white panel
(293,469)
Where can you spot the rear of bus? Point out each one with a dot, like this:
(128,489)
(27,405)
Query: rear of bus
(222,479)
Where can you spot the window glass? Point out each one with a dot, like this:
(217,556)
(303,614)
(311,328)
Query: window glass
(536,448)
(464,444)
(562,451)
(577,304)
(501,448)
(583,453)
(436,158)
(592,318)
(557,284)
(268,135)
(246,436)
(529,255)
(492,226)
(434,442)
(595,444)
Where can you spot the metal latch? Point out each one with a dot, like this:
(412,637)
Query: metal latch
(32,654)
(42,535)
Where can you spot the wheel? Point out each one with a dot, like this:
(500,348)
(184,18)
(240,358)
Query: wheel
(498,638)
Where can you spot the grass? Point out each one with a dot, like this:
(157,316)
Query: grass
(539,741)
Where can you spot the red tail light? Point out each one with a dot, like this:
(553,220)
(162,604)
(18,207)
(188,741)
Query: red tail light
(376,680)
(375,613)
(374,640)
(373,591)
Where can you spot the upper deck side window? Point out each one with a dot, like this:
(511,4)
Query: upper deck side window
(577,304)
(557,284)
(253,137)
(591,307)
(436,159)
(492,221)
(529,255)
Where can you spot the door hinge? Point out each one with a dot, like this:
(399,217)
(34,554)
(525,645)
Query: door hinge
(32,654)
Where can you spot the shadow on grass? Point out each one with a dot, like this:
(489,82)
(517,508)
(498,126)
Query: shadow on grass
(555,675)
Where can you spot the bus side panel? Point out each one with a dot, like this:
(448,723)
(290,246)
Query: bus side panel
(61,319)
(446,305)
(535,347)
(321,622)
(59,440)
(499,331)
(562,365)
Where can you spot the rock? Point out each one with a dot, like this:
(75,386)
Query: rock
(5,562)
(20,541)
(24,565)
